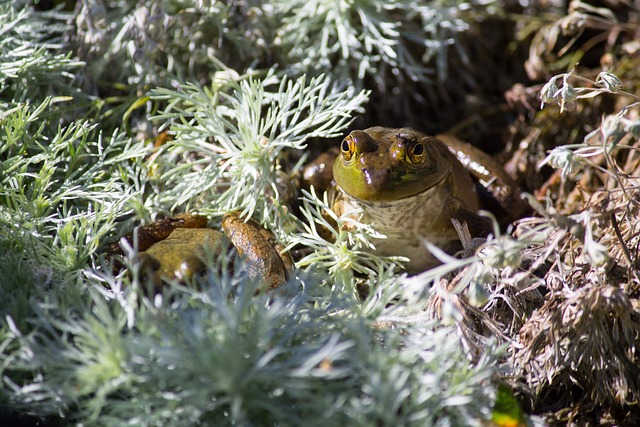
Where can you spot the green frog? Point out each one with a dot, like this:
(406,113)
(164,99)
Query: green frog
(410,186)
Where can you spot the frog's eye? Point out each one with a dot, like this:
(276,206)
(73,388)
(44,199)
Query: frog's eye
(347,148)
(416,153)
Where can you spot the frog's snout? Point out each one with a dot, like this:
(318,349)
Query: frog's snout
(377,178)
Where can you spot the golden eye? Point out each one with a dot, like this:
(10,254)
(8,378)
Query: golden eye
(416,153)
(347,148)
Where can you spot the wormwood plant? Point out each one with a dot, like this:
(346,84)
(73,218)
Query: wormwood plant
(61,193)
(389,47)
(399,36)
(340,36)
(80,343)
(31,60)
(348,340)
(231,139)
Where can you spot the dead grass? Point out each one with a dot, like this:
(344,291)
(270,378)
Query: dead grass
(569,314)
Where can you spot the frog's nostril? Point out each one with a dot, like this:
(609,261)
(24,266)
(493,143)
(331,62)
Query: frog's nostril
(364,142)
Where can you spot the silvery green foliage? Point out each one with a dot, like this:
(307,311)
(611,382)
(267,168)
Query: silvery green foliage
(358,38)
(399,49)
(77,342)
(226,356)
(31,55)
(60,193)
(347,253)
(230,138)
(98,349)
(151,42)
(154,42)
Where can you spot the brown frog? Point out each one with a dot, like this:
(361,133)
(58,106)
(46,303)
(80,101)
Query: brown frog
(174,249)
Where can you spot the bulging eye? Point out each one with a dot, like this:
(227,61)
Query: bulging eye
(416,153)
(347,148)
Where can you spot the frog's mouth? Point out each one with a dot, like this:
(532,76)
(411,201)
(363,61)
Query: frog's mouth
(390,186)
(406,203)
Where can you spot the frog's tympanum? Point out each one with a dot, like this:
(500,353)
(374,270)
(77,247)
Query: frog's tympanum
(409,187)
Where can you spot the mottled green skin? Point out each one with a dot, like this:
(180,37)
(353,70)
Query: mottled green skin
(405,201)
(379,169)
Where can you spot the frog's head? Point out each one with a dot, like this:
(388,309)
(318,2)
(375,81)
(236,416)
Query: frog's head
(382,164)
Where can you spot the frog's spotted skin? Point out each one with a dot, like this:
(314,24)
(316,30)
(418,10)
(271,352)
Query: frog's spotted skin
(409,186)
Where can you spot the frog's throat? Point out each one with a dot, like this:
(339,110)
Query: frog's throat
(405,223)
(417,214)
(409,200)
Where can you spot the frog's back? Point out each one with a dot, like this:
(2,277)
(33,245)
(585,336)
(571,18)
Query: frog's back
(497,191)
